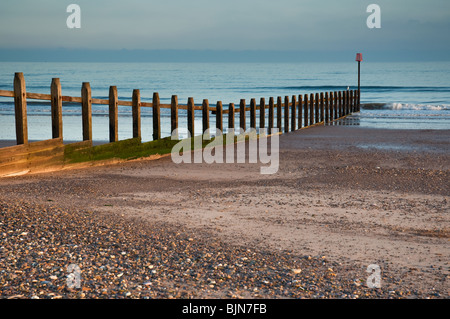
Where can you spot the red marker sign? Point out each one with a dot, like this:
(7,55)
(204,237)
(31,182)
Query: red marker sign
(359,57)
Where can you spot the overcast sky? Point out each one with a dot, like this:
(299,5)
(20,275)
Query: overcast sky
(299,25)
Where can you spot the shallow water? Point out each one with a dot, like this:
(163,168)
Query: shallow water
(394,95)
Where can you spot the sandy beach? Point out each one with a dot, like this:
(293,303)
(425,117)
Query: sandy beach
(344,198)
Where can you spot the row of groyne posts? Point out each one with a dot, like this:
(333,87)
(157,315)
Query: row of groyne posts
(297,111)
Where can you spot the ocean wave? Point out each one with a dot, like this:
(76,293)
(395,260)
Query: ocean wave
(369,88)
(405,106)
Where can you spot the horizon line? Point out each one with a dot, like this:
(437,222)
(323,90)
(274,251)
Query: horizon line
(212,55)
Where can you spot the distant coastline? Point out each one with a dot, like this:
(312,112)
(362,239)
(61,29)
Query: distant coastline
(231,55)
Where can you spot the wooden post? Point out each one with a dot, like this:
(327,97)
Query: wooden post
(322,108)
(346,102)
(311,109)
(340,104)
(306,110)
(316,108)
(86,111)
(56,104)
(271,113)
(358,109)
(359,101)
(113,114)
(156,117)
(20,103)
(262,112)
(293,112)
(242,115)
(331,107)
(219,117)
(350,101)
(286,114)
(174,116)
(326,106)
(347,95)
(279,110)
(231,115)
(349,98)
(336,105)
(191,116)
(343,103)
(253,113)
(300,111)
(136,110)
(205,115)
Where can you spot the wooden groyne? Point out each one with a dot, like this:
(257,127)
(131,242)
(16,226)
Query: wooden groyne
(286,114)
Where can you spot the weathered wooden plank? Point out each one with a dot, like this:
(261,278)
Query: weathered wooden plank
(46,163)
(13,157)
(125,103)
(311,109)
(12,168)
(33,155)
(46,154)
(146,104)
(6,93)
(78,145)
(39,96)
(326,103)
(79,99)
(45,144)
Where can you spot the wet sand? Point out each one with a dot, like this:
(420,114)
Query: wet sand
(344,197)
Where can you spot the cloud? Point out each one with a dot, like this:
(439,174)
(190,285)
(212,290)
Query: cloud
(222,25)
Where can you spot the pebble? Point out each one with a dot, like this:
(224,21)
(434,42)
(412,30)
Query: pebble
(118,258)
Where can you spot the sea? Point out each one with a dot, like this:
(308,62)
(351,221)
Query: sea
(393,95)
